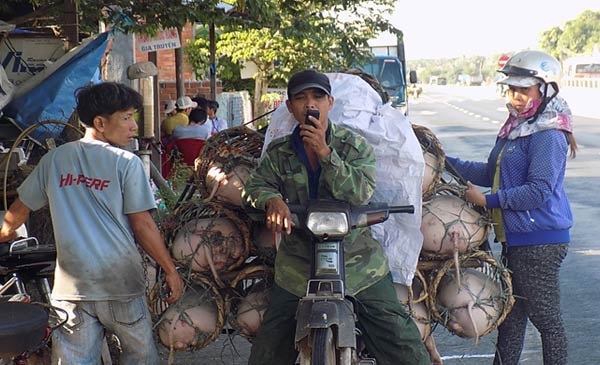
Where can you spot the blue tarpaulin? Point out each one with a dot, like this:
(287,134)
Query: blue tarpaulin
(54,97)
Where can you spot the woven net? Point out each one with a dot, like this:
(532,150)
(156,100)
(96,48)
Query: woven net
(225,162)
(434,156)
(196,320)
(208,237)
(248,299)
(452,225)
(474,300)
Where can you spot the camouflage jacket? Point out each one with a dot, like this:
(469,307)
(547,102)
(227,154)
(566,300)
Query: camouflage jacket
(347,174)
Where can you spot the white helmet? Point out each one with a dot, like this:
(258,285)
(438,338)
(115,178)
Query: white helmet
(527,66)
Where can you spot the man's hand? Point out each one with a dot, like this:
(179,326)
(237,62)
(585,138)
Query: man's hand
(175,286)
(14,217)
(474,195)
(7,236)
(279,217)
(314,137)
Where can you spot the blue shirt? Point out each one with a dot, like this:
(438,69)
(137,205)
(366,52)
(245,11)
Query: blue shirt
(535,207)
(196,131)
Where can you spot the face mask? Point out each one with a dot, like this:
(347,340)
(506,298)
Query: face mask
(529,110)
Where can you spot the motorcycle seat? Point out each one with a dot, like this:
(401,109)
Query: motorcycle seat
(4,249)
(22,327)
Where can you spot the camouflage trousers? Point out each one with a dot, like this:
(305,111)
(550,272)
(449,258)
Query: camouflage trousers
(389,333)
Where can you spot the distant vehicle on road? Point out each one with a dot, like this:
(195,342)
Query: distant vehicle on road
(438,80)
(388,65)
(470,80)
(582,71)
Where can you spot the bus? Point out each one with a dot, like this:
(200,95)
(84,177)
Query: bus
(583,71)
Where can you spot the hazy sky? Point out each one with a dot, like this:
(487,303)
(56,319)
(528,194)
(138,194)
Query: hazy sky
(451,28)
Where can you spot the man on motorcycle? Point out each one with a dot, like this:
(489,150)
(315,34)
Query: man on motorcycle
(324,161)
(100,201)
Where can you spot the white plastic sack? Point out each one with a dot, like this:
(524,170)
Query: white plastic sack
(400,164)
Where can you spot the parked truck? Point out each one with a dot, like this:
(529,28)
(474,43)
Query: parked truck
(388,65)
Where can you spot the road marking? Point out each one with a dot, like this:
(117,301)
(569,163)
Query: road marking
(481,356)
(589,252)
(476,356)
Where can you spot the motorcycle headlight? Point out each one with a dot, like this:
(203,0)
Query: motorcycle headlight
(328,223)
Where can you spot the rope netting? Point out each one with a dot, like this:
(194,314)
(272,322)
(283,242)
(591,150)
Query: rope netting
(195,320)
(451,225)
(474,300)
(248,299)
(208,237)
(434,156)
(225,163)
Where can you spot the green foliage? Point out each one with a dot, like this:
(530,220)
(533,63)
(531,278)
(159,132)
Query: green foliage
(178,178)
(549,41)
(198,56)
(578,36)
(328,35)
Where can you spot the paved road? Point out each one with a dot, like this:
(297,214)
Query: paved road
(466,121)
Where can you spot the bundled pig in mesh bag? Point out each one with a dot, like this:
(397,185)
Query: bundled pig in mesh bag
(400,163)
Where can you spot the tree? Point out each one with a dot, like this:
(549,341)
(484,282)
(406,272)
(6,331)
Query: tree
(577,37)
(549,41)
(291,34)
(327,35)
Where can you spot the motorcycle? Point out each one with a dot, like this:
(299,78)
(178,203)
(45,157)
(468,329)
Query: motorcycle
(415,90)
(26,270)
(326,330)
(26,313)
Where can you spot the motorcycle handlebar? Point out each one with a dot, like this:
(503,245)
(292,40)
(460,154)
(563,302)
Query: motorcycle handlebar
(374,212)
(410,209)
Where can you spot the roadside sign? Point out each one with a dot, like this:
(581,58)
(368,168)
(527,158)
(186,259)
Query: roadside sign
(502,60)
(163,40)
(24,55)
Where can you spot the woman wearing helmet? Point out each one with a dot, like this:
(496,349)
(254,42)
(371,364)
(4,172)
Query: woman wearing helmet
(525,171)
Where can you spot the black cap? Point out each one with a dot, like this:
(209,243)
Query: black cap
(308,79)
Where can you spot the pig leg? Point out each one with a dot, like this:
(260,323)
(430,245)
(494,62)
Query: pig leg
(470,311)
(454,237)
(434,355)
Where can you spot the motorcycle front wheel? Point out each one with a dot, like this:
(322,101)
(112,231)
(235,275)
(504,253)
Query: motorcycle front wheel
(323,347)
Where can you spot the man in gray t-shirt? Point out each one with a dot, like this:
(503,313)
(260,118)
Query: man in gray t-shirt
(100,202)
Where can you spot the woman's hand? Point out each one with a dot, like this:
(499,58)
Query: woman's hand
(474,195)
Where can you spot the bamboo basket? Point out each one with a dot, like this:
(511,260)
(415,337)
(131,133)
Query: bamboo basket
(434,156)
(476,227)
(251,279)
(190,212)
(201,290)
(484,263)
(419,281)
(222,154)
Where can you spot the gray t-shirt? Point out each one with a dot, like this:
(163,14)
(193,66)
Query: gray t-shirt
(90,187)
